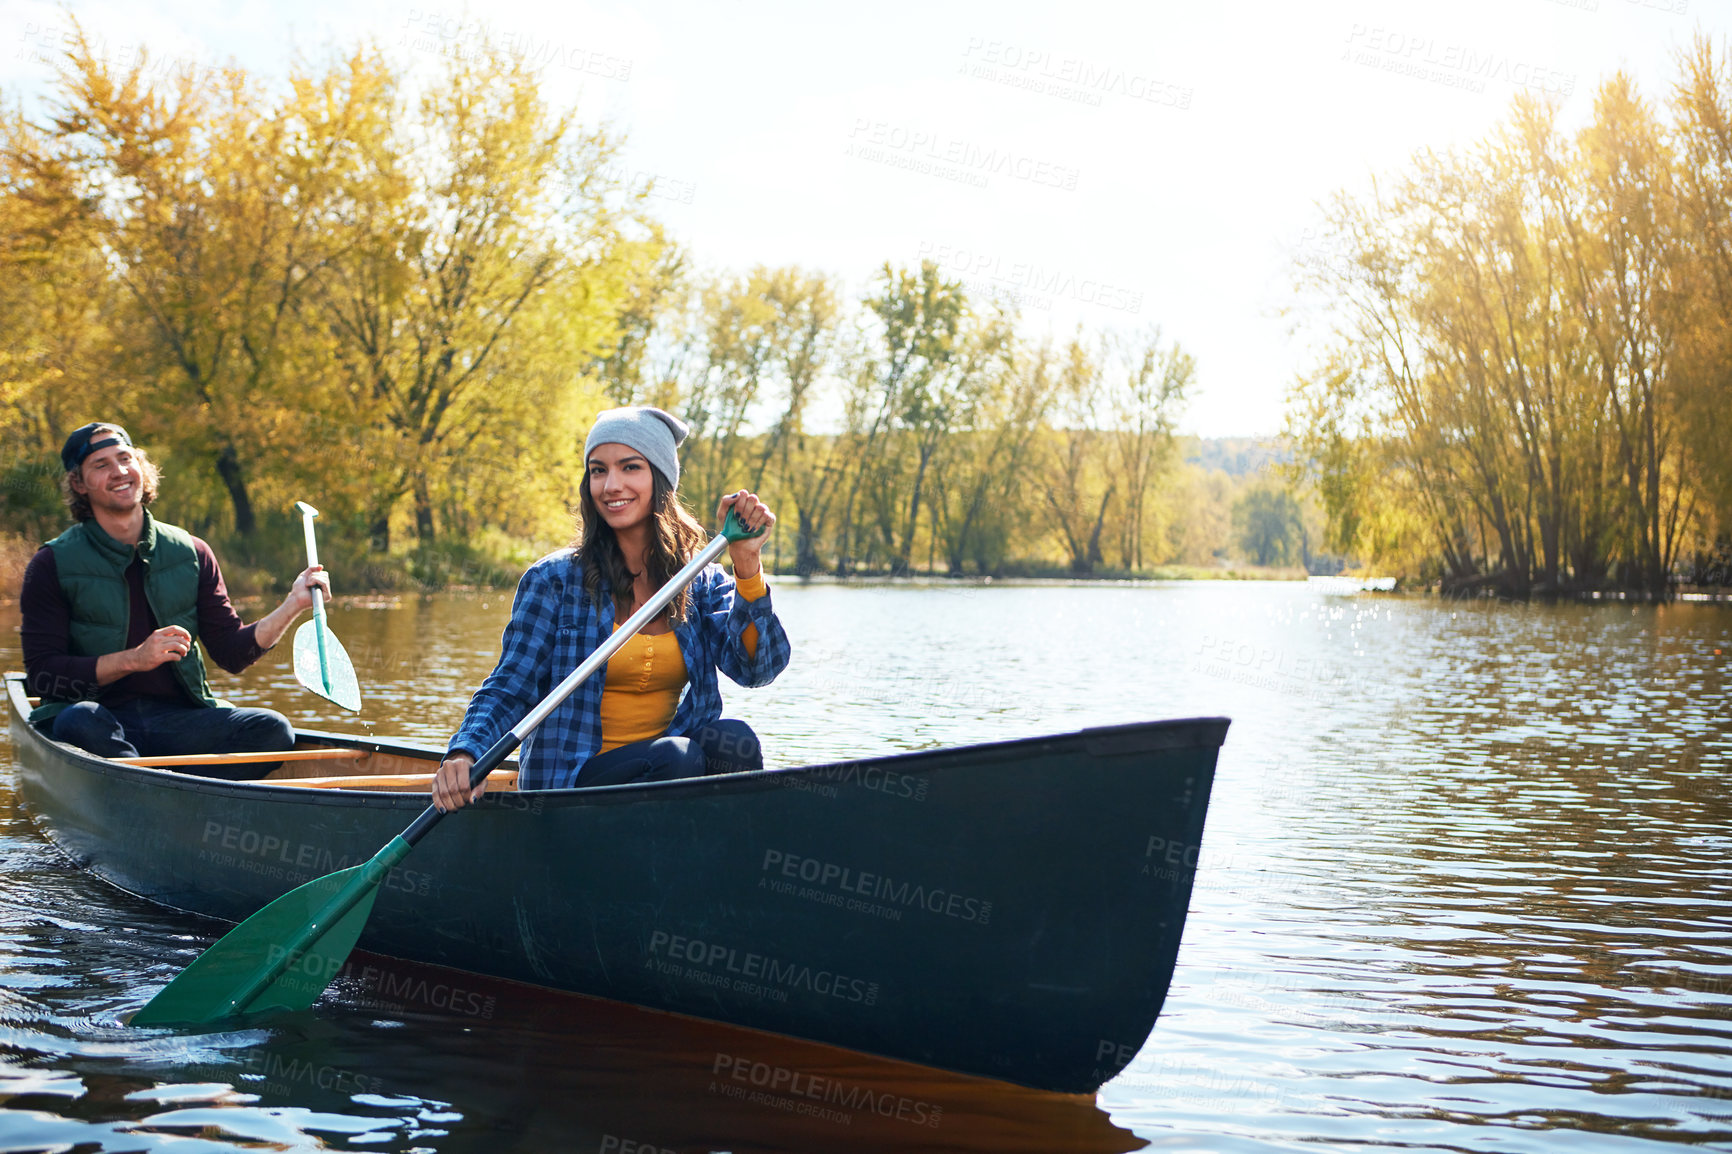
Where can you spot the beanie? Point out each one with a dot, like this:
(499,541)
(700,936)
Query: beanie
(650,431)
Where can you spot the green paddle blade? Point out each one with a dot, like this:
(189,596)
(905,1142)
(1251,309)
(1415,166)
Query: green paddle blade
(282,957)
(333,677)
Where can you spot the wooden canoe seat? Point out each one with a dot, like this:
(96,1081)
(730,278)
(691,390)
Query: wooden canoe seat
(244,758)
(305,763)
(399,782)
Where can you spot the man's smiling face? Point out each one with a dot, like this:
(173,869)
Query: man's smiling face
(110,478)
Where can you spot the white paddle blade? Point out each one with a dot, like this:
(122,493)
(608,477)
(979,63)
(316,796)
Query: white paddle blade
(343,689)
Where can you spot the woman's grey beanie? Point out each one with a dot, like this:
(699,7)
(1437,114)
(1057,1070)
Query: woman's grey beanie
(645,428)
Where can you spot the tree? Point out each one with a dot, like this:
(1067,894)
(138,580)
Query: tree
(192,197)
(1269,527)
(1145,395)
(55,342)
(1518,362)
(983,478)
(1069,480)
(489,262)
(898,383)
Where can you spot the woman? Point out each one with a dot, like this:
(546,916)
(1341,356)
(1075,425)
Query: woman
(656,714)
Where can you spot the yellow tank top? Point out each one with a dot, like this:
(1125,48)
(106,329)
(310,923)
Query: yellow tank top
(642,691)
(644,680)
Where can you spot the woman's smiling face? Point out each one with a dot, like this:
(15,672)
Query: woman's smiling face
(622,485)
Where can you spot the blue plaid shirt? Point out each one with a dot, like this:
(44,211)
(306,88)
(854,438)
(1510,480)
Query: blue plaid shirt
(554,626)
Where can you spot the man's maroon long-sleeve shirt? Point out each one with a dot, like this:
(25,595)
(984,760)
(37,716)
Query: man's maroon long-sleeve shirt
(46,633)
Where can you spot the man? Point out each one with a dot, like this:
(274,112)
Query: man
(112,607)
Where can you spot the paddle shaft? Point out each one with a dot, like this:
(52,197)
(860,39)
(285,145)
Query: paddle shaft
(646,613)
(307,515)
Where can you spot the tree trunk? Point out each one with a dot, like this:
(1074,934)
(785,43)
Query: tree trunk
(228,465)
(806,560)
(423,511)
(1092,558)
(380,533)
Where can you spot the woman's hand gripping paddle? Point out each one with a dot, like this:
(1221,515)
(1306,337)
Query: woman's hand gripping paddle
(284,956)
(321,663)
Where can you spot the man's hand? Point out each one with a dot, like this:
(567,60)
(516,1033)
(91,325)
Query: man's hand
(170,643)
(451,784)
(300,598)
(273,625)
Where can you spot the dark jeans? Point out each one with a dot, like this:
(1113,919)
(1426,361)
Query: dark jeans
(143,728)
(725,746)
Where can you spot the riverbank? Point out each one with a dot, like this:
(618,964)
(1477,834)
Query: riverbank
(255,574)
(265,565)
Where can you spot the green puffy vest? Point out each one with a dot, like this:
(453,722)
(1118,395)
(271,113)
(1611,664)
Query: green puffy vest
(92,568)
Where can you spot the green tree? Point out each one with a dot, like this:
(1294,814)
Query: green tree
(1076,494)
(898,384)
(1269,527)
(1145,395)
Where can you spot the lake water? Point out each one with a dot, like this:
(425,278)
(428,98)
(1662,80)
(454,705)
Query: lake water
(1466,886)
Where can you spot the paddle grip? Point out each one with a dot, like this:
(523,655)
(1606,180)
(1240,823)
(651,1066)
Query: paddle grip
(735,529)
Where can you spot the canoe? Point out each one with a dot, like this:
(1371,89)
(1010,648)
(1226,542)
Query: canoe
(1010,910)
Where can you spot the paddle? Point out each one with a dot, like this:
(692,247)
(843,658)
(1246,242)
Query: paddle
(282,957)
(321,663)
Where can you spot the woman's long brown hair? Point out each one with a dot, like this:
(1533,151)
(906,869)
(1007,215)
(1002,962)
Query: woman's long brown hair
(674,538)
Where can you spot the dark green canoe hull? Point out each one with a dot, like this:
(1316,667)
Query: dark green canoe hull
(1012,910)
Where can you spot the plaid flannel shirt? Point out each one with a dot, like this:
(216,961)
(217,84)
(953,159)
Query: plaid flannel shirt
(554,626)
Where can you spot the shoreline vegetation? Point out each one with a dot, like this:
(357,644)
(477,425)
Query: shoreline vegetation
(1526,388)
(406,299)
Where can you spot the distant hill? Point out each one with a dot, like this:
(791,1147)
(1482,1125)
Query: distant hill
(1235,456)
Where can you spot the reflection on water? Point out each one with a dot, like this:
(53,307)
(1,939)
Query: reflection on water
(1465,885)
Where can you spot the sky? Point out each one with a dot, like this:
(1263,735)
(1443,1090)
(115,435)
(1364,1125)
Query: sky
(1115,166)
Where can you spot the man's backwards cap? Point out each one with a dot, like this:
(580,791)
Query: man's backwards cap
(79,445)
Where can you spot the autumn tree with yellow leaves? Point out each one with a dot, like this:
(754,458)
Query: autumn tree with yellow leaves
(1525,386)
